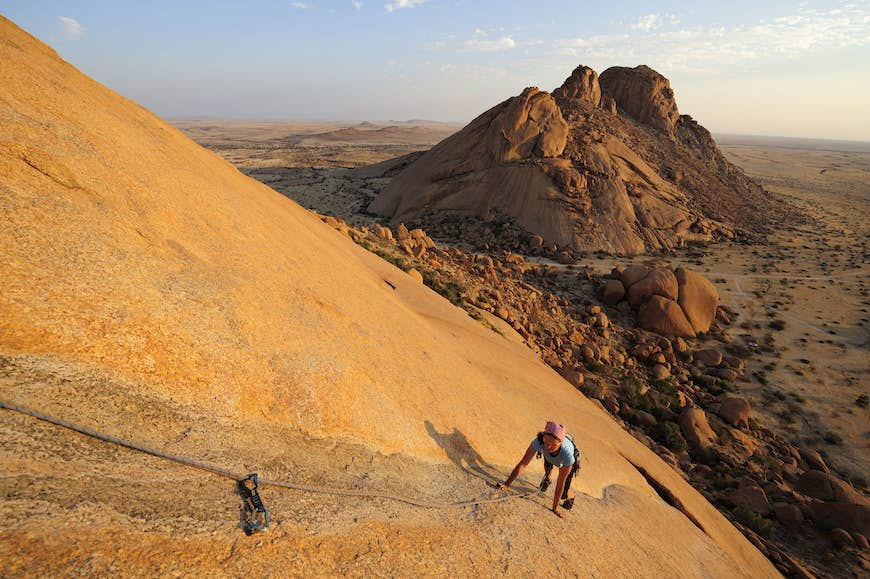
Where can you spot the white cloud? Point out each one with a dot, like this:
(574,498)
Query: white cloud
(479,45)
(646,23)
(357,5)
(399,4)
(72,29)
(710,49)
(299,5)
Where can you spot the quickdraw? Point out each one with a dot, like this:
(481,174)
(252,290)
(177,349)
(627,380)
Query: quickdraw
(256,513)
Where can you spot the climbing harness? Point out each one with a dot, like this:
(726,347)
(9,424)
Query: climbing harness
(257,517)
(252,482)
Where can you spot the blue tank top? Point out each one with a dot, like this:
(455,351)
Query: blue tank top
(564,456)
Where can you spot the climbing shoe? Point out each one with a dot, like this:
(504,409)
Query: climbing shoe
(545,484)
(568,504)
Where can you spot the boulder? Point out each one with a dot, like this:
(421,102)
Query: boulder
(749,497)
(813,459)
(574,376)
(827,487)
(678,345)
(643,418)
(614,291)
(697,432)
(660,372)
(853,518)
(860,541)
(383,232)
(726,374)
(633,274)
(708,357)
(735,411)
(601,320)
(644,351)
(659,282)
(665,317)
(416,275)
(790,516)
(841,539)
(698,298)
(402,233)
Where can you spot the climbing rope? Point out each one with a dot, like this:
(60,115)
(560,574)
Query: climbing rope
(241,477)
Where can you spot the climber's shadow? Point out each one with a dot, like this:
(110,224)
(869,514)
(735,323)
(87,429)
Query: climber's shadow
(463,455)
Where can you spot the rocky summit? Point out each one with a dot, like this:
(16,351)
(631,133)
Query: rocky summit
(603,163)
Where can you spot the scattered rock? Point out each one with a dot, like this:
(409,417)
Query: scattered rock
(697,432)
(614,291)
(735,411)
(813,459)
(749,497)
(790,516)
(854,518)
(827,487)
(708,357)
(660,372)
(841,539)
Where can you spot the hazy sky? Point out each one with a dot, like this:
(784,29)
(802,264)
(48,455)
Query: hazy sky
(758,67)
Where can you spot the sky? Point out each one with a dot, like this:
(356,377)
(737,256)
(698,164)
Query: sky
(759,67)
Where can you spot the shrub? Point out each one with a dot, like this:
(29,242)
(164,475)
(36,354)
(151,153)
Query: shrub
(754,521)
(832,438)
(778,325)
(863,401)
(593,366)
(668,434)
(450,290)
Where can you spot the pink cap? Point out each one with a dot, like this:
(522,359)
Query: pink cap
(557,430)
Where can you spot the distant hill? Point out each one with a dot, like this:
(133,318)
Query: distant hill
(371,134)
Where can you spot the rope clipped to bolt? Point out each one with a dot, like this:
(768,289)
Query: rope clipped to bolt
(248,484)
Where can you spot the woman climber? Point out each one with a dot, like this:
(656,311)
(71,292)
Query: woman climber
(558,449)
